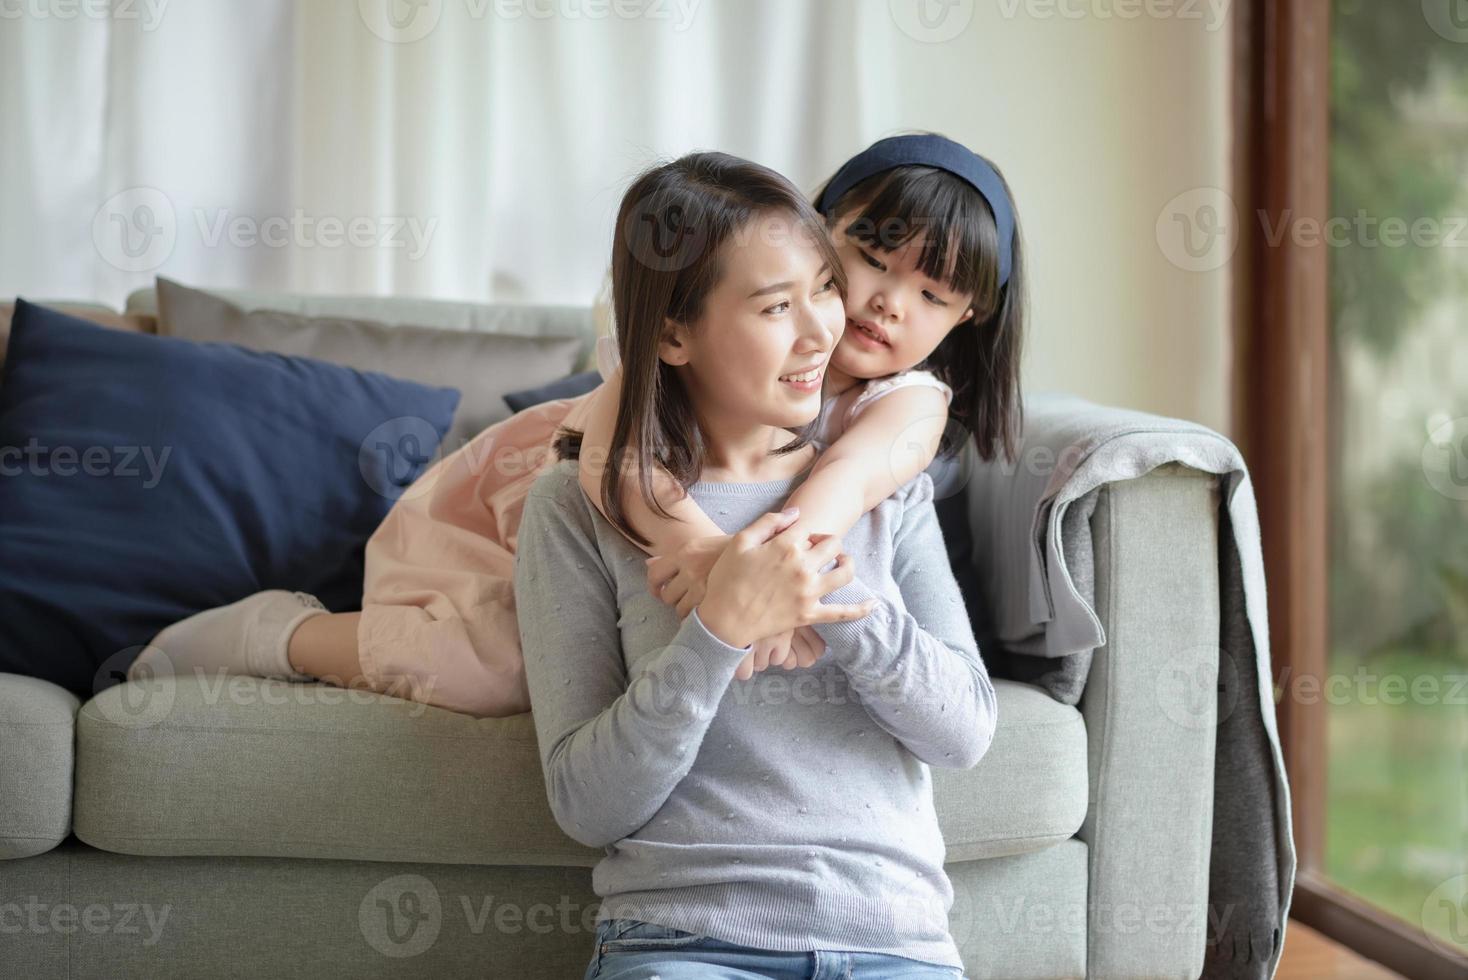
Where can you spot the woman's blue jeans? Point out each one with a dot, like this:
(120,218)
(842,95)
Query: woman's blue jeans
(627,949)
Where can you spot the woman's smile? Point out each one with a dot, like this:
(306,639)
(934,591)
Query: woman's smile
(806,381)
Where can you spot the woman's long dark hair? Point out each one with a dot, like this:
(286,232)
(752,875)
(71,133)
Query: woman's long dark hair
(980,357)
(673,235)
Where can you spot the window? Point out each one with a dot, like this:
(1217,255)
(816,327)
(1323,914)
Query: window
(1351,294)
(1397,668)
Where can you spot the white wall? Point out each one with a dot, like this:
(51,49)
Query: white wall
(1098,123)
(513,133)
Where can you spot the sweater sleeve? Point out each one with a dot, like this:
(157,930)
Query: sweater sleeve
(612,749)
(915,663)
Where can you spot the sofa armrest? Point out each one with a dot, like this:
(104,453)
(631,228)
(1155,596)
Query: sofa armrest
(1150,709)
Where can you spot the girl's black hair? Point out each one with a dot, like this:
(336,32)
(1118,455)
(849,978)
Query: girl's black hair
(980,357)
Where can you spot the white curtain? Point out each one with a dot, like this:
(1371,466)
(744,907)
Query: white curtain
(471,149)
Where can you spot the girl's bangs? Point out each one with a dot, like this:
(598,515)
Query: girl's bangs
(960,249)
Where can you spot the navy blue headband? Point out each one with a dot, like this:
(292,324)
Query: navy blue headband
(930,151)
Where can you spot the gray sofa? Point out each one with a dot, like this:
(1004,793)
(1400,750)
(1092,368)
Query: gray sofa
(262,828)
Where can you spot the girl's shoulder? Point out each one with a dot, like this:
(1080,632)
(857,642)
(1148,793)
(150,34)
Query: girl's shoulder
(878,387)
(914,377)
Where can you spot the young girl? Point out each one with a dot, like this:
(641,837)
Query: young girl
(935,307)
(928,244)
(780,827)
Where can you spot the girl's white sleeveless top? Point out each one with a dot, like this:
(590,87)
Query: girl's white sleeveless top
(829,428)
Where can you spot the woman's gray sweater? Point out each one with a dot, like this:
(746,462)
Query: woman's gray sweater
(790,811)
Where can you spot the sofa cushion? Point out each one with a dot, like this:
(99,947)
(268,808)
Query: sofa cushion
(148,478)
(37,752)
(570,386)
(515,319)
(83,914)
(1031,789)
(482,365)
(100,315)
(244,766)
(1021,916)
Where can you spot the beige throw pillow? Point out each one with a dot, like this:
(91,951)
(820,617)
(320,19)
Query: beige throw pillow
(483,366)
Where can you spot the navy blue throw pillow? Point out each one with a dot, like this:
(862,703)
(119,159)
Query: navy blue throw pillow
(144,479)
(570,386)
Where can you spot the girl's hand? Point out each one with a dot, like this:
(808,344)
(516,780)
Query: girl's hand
(681,579)
(807,647)
(767,581)
(770,650)
(800,647)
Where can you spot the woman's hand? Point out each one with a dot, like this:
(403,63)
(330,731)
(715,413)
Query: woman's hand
(767,581)
(681,579)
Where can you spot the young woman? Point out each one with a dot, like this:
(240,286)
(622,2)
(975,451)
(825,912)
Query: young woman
(785,823)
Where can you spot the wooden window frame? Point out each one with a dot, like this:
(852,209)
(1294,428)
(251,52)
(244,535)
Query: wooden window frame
(1281,115)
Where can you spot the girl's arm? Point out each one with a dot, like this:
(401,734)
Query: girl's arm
(891,441)
(667,536)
